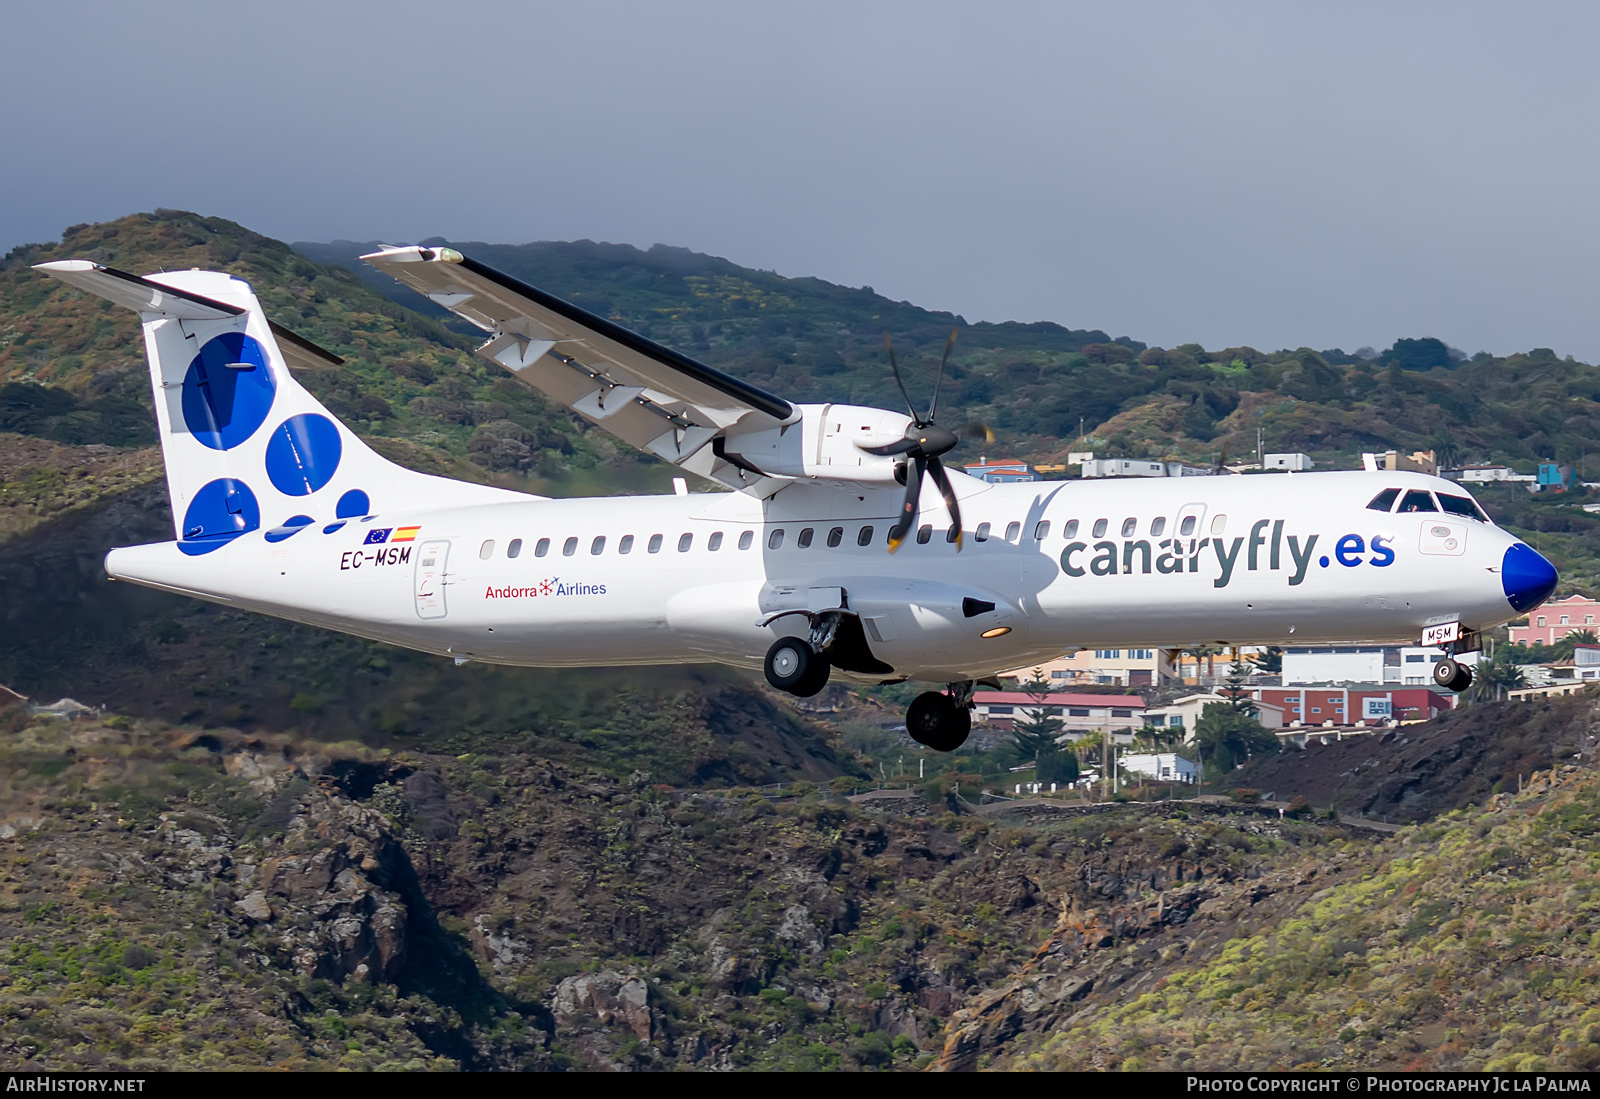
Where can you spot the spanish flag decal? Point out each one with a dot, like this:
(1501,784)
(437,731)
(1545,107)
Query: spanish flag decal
(405,534)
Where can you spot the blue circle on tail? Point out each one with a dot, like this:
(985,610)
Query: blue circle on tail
(288,527)
(227,391)
(221,511)
(353,505)
(303,454)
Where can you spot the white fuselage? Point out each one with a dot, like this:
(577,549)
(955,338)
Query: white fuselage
(1267,559)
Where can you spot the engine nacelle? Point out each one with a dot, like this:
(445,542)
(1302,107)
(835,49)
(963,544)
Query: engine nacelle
(825,442)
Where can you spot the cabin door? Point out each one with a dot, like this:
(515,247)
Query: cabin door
(431,578)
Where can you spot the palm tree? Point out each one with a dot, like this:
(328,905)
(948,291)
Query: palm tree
(1495,677)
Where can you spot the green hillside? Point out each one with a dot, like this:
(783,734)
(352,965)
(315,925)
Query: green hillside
(282,847)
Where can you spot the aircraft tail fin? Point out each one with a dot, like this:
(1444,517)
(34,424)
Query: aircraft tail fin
(245,445)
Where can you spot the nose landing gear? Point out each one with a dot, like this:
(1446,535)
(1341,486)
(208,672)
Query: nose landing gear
(942,721)
(1452,675)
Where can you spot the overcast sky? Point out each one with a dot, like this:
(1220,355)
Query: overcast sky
(1266,174)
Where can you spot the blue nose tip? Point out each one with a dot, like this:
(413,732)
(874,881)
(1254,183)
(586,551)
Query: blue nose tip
(1527,578)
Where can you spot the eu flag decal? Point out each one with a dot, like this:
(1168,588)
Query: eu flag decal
(374,537)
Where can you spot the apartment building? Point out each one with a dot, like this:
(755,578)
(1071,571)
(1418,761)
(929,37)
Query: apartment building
(1557,618)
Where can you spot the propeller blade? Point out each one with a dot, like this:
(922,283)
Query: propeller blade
(974,430)
(938,384)
(936,471)
(899,446)
(908,510)
(894,366)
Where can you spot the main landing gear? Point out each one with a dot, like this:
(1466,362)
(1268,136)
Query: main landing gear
(793,665)
(1452,675)
(941,721)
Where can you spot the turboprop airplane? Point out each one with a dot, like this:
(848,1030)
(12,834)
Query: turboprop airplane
(825,557)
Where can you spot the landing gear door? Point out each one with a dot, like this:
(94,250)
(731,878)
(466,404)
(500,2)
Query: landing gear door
(429,583)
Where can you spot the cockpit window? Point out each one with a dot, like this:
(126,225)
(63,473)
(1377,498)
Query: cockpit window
(1417,500)
(1384,500)
(1462,505)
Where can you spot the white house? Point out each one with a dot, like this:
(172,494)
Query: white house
(1291,462)
(1163,768)
(1186,712)
(1479,475)
(1409,665)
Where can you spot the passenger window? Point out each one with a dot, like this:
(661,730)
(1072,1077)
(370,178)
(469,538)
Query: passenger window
(1042,531)
(714,543)
(1013,531)
(953,533)
(654,545)
(1186,528)
(684,542)
(541,547)
(1219,524)
(835,536)
(1462,505)
(1384,500)
(982,533)
(747,539)
(626,545)
(569,547)
(864,537)
(924,534)
(1070,530)
(804,540)
(775,539)
(515,548)
(1157,525)
(1100,528)
(598,546)
(486,550)
(1417,500)
(1129,527)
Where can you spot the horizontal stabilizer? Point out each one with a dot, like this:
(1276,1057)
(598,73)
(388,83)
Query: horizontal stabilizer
(139,294)
(144,295)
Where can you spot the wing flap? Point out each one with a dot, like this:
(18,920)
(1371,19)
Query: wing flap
(645,393)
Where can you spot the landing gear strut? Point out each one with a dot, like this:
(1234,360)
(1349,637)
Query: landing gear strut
(1452,675)
(941,721)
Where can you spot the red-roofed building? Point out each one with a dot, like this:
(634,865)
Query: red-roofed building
(1078,712)
(1348,705)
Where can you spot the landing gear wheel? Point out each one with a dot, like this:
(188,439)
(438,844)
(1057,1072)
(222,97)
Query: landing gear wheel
(936,722)
(1452,675)
(793,666)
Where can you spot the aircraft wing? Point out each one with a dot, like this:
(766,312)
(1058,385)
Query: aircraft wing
(648,395)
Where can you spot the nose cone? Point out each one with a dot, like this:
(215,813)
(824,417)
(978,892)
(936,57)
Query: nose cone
(1527,578)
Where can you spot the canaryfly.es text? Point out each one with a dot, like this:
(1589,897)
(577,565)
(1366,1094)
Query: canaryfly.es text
(1266,548)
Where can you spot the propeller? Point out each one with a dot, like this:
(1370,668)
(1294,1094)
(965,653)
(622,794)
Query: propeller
(923,444)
